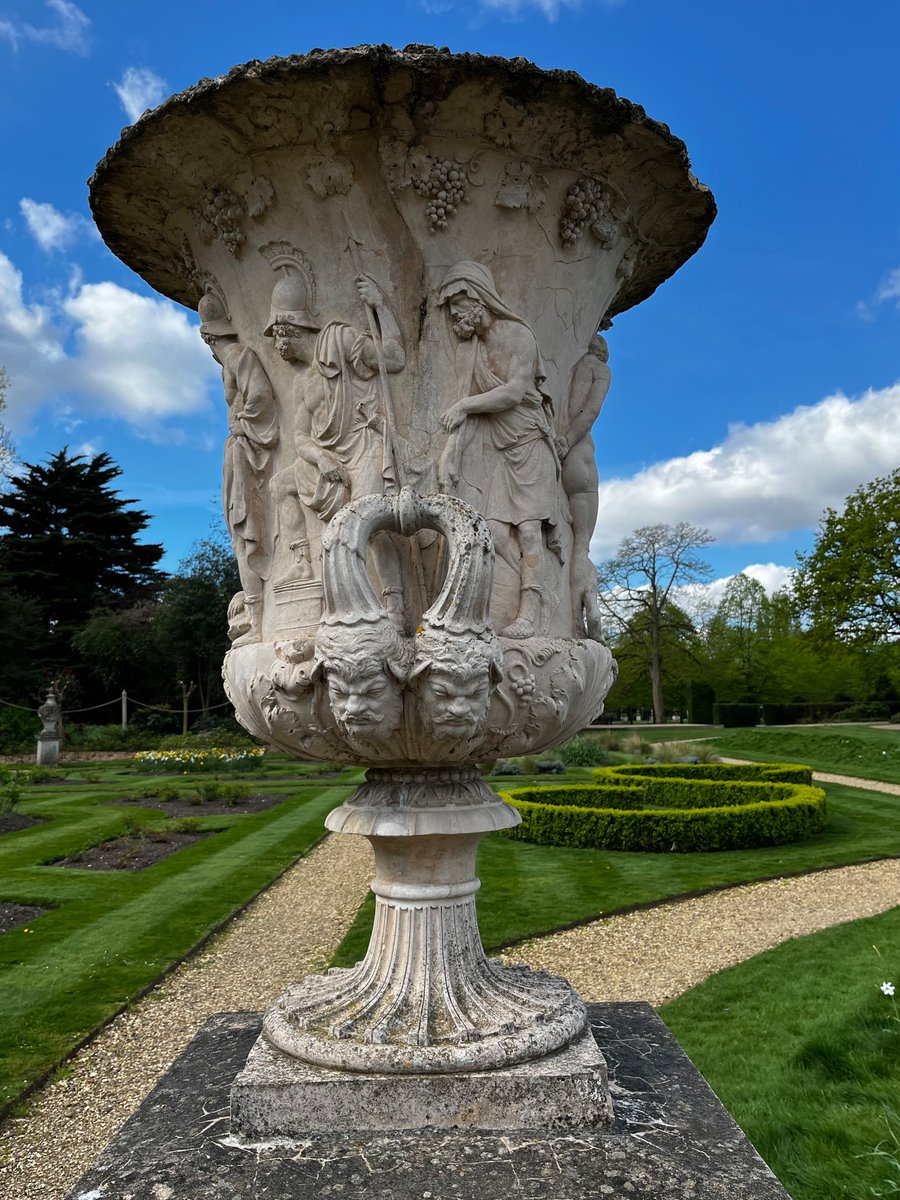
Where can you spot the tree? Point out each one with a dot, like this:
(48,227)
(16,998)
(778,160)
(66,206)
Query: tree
(632,646)
(849,585)
(737,639)
(194,617)
(641,578)
(70,545)
(7,449)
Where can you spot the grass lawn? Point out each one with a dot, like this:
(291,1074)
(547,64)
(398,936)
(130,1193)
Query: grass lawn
(804,1050)
(856,750)
(528,890)
(112,933)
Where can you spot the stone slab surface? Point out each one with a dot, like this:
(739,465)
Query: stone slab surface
(276,1094)
(671,1140)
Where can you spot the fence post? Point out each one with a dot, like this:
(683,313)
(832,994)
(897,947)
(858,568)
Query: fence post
(124,710)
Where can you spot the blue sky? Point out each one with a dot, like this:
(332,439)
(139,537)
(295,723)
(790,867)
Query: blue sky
(757,386)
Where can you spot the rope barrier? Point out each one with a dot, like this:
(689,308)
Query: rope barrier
(158,708)
(67,712)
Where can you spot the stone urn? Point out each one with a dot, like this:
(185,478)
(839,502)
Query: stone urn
(404,262)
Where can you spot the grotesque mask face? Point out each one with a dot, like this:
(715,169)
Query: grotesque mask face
(453,704)
(366,701)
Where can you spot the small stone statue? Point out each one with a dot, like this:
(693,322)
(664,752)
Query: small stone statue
(51,715)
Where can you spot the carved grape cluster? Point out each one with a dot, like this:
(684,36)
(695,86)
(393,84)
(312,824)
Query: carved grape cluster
(445,188)
(523,686)
(586,204)
(224,211)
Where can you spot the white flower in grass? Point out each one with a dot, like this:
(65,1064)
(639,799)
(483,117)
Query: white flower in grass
(887,988)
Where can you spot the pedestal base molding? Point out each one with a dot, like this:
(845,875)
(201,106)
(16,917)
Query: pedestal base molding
(276,1096)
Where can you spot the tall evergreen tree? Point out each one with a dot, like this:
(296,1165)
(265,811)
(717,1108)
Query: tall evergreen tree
(69,543)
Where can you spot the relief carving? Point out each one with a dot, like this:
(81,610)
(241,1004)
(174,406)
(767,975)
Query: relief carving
(343,428)
(519,187)
(252,435)
(587,390)
(224,211)
(590,204)
(442,182)
(501,434)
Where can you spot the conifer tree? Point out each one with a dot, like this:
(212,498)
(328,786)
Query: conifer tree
(69,542)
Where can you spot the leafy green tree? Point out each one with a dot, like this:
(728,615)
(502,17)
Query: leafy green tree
(23,667)
(194,617)
(641,579)
(70,544)
(848,586)
(124,648)
(632,646)
(737,640)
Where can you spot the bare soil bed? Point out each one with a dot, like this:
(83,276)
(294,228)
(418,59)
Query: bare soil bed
(13,821)
(130,853)
(13,916)
(186,808)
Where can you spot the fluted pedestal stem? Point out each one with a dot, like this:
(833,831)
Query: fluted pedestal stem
(425,998)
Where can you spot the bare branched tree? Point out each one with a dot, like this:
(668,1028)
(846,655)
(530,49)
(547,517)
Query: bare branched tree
(639,581)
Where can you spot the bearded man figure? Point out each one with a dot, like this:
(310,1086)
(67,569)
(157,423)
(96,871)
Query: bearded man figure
(500,372)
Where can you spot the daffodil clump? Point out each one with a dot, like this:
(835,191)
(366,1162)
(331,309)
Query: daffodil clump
(211,759)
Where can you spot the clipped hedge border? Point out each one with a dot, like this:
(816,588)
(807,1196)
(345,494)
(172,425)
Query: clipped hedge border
(660,815)
(746,772)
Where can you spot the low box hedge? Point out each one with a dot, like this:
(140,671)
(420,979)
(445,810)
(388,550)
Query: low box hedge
(747,772)
(668,815)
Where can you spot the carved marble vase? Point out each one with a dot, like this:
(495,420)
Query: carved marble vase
(401,260)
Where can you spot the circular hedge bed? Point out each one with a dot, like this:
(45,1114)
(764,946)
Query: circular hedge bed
(674,808)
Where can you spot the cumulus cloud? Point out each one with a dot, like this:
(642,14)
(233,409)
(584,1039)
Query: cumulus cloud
(51,229)
(101,350)
(140,89)
(69,31)
(763,481)
(700,600)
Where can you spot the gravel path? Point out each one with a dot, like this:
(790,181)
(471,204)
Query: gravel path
(656,954)
(291,930)
(867,785)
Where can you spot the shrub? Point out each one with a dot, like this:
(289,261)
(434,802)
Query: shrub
(681,813)
(10,791)
(583,752)
(183,825)
(866,710)
(505,766)
(743,772)
(550,766)
(18,730)
(733,715)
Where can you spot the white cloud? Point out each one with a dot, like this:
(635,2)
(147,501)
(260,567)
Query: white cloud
(139,89)
(513,8)
(134,358)
(765,480)
(889,288)
(700,600)
(51,229)
(68,32)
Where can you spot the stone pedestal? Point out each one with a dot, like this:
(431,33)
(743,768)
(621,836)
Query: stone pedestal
(671,1139)
(47,749)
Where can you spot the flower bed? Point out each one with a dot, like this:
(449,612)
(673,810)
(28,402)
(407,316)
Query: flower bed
(211,759)
(650,811)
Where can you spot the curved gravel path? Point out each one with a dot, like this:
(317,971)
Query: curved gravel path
(867,785)
(656,954)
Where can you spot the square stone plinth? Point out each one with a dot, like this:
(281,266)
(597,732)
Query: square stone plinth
(671,1139)
(277,1096)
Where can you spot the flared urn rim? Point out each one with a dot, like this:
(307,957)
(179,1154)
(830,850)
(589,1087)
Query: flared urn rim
(616,139)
